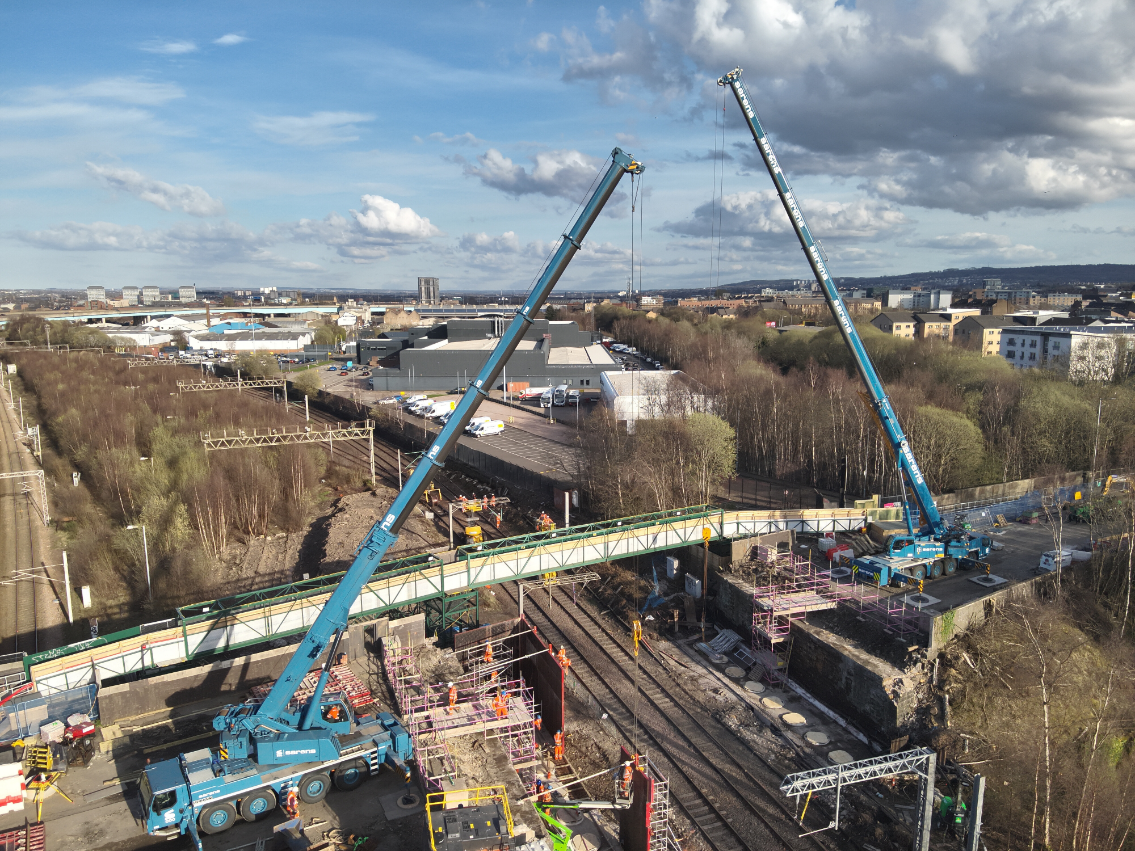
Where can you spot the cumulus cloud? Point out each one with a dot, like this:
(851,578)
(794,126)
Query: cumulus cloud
(556,174)
(760,214)
(381,227)
(461,139)
(319,128)
(986,106)
(169,48)
(230,40)
(190,199)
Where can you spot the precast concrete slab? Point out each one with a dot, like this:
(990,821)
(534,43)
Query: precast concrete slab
(840,758)
(794,719)
(817,738)
(772,703)
(989,580)
(755,687)
(920,601)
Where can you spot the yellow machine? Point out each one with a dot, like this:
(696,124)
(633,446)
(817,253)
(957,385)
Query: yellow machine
(474,535)
(432,495)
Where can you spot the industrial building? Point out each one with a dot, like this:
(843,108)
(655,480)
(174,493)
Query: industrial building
(130,295)
(269,340)
(633,396)
(429,291)
(96,294)
(151,295)
(446,355)
(187,292)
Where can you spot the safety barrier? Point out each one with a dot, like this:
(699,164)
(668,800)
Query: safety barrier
(207,629)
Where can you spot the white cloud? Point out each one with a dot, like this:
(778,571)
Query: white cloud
(977,243)
(230,39)
(127,90)
(978,106)
(760,213)
(460,139)
(190,199)
(494,252)
(543,42)
(319,128)
(169,48)
(382,227)
(556,174)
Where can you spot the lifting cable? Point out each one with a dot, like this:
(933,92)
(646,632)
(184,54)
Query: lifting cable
(717,197)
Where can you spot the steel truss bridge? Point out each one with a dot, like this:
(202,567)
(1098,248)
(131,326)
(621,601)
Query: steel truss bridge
(205,629)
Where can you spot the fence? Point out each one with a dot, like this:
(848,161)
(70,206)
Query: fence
(33,714)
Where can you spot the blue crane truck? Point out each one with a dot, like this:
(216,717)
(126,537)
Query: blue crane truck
(935,548)
(268,748)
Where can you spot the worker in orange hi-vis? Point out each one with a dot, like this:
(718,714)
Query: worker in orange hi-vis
(292,803)
(562,658)
(627,773)
(559,739)
(537,721)
(488,652)
(452,699)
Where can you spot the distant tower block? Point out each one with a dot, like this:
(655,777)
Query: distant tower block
(429,291)
(187,292)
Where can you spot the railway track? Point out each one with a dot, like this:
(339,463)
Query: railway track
(356,454)
(733,801)
(17,514)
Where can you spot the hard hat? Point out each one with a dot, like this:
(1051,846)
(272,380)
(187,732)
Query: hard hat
(451,685)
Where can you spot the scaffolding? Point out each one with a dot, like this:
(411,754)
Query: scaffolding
(488,703)
(660,831)
(794,588)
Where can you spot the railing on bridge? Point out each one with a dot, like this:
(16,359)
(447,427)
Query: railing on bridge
(219,626)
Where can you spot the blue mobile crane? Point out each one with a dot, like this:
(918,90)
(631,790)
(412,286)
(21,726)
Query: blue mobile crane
(934,548)
(271,748)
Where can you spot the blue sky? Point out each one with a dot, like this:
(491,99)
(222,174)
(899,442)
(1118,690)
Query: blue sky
(361,145)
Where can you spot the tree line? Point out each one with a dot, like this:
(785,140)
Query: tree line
(137,444)
(795,404)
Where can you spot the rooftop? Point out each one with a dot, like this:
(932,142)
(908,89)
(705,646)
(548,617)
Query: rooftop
(638,383)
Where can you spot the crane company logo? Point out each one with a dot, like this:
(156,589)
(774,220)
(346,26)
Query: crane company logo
(387,522)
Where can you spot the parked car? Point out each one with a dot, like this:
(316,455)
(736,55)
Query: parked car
(332,368)
(344,372)
(390,400)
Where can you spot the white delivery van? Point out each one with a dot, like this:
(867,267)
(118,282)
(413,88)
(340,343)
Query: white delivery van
(489,428)
(419,408)
(476,422)
(546,398)
(410,401)
(440,408)
(559,396)
(1048,559)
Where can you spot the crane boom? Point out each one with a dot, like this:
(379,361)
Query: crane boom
(272,714)
(909,471)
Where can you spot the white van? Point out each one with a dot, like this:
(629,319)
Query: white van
(1048,559)
(489,428)
(559,397)
(419,408)
(439,408)
(546,398)
(476,423)
(410,401)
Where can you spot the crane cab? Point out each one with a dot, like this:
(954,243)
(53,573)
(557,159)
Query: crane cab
(165,797)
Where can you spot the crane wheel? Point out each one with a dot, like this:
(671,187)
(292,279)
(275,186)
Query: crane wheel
(935,569)
(314,787)
(256,805)
(949,566)
(217,818)
(350,775)
(918,573)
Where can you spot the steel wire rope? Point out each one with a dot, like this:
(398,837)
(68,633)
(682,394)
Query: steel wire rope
(721,187)
(713,194)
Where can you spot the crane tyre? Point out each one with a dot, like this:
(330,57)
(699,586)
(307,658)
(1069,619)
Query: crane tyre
(255,806)
(935,569)
(949,566)
(217,818)
(918,572)
(314,787)
(350,775)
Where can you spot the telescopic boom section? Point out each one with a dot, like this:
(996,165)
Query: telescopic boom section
(908,466)
(333,617)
